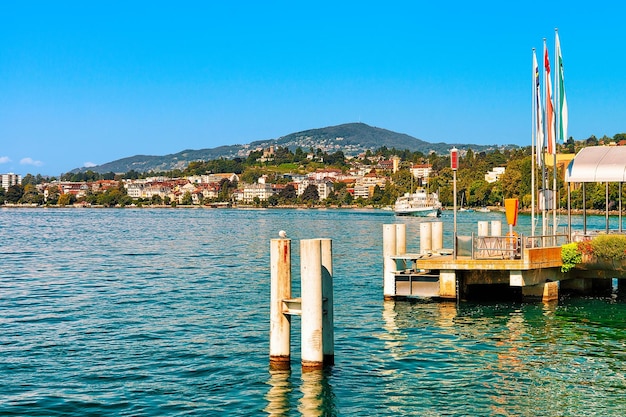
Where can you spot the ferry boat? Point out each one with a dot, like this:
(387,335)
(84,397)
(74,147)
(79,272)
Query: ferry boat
(419,203)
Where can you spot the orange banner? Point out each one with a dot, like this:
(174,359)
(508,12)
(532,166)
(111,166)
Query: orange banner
(511,205)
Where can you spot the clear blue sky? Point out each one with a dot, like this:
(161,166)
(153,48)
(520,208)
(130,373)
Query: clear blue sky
(88,82)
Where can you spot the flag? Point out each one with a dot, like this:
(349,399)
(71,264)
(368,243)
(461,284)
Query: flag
(550,139)
(562,98)
(538,112)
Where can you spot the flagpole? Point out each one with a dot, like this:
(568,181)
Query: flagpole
(561,99)
(546,137)
(556,133)
(533,141)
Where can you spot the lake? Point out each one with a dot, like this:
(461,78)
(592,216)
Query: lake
(165,312)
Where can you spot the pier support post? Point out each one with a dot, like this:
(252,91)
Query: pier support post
(548,291)
(400,239)
(280,289)
(437,236)
(483,228)
(312,323)
(328,317)
(577,285)
(426,237)
(389,265)
(447,284)
(496,228)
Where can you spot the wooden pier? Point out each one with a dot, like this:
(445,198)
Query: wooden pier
(480,263)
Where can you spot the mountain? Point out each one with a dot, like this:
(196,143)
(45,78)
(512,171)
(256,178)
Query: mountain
(350,138)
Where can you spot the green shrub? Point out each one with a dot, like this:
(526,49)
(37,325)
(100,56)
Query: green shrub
(570,255)
(609,246)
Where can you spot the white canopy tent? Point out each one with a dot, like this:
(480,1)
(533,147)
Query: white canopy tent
(597,164)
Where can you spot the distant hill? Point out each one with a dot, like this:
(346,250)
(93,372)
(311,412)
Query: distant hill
(350,138)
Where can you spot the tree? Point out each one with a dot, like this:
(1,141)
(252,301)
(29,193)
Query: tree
(251,175)
(66,199)
(156,199)
(273,200)
(619,137)
(404,181)
(31,195)
(226,188)
(187,200)
(377,195)
(288,194)
(14,193)
(53,195)
(479,192)
(310,194)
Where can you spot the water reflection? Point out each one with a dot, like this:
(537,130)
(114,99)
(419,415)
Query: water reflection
(279,395)
(511,357)
(316,396)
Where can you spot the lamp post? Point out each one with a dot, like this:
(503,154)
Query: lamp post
(454,165)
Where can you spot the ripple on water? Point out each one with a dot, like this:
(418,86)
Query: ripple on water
(165,312)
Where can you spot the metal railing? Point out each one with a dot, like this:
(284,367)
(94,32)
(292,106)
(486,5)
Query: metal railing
(497,247)
(546,241)
(503,247)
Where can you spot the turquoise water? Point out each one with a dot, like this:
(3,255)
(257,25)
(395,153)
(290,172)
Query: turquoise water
(166,312)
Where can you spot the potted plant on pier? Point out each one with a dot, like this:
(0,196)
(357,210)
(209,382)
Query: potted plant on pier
(603,252)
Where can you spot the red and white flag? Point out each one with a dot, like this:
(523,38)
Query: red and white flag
(563,116)
(550,136)
(538,110)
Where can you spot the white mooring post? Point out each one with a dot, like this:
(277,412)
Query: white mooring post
(426,237)
(389,265)
(496,228)
(483,228)
(394,243)
(328,316)
(280,283)
(312,323)
(315,305)
(437,236)
(400,239)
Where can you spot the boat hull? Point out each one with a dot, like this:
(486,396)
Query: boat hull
(418,204)
(423,212)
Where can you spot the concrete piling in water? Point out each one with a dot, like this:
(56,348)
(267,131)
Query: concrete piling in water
(315,305)
(426,240)
(389,265)
(328,317)
(496,228)
(483,228)
(311,281)
(437,236)
(280,289)
(394,243)
(400,239)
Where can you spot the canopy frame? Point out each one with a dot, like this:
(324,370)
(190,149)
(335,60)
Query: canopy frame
(596,164)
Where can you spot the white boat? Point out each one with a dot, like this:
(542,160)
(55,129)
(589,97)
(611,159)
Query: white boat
(419,203)
(484,210)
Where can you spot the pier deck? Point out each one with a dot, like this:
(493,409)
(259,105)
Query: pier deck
(486,264)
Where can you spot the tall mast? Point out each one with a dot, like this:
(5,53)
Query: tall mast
(543,162)
(556,137)
(533,141)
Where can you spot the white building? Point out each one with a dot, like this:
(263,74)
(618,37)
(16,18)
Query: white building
(422,171)
(362,191)
(324,188)
(7,180)
(261,190)
(495,174)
